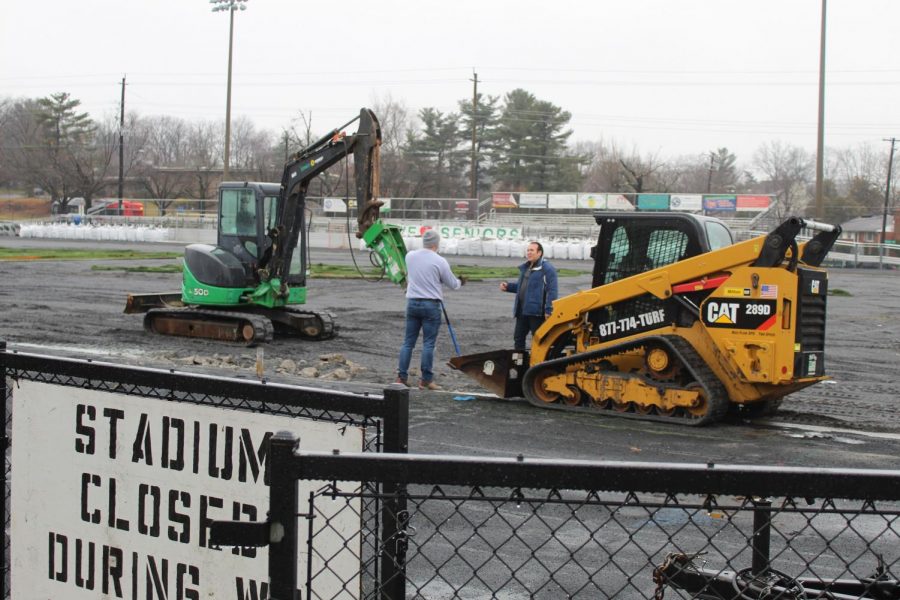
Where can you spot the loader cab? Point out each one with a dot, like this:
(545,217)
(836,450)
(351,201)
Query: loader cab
(634,242)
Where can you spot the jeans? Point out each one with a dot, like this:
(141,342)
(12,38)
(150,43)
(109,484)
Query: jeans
(524,325)
(424,315)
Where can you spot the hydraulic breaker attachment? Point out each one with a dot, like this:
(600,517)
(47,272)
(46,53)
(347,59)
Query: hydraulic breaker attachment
(499,371)
(386,242)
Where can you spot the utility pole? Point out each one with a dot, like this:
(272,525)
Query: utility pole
(474,168)
(820,138)
(712,158)
(121,146)
(887,195)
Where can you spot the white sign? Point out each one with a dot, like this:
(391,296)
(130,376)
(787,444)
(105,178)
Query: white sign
(334,205)
(504,232)
(593,201)
(113,495)
(561,200)
(618,202)
(686,202)
(532,200)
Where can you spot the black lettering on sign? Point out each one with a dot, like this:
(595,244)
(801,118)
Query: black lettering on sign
(142,449)
(112,569)
(58,564)
(224,471)
(168,425)
(251,589)
(184,499)
(114,415)
(250,458)
(84,446)
(145,490)
(80,579)
(157,578)
(207,502)
(120,524)
(248,510)
(184,592)
(89,479)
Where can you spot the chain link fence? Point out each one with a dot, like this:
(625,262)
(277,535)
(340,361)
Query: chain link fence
(497,528)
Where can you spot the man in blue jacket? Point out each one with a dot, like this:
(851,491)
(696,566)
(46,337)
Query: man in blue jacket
(535,292)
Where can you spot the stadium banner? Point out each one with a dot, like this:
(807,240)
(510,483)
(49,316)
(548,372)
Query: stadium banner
(533,200)
(335,205)
(503,200)
(618,202)
(753,203)
(592,201)
(722,202)
(686,202)
(500,232)
(653,202)
(562,201)
(114,495)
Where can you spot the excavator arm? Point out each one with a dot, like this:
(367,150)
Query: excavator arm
(306,165)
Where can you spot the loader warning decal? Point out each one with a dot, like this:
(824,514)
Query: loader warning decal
(739,314)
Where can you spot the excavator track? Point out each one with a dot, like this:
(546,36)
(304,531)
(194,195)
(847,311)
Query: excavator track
(229,326)
(304,324)
(696,377)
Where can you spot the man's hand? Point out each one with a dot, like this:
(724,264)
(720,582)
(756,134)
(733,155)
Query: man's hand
(502,286)
(463,279)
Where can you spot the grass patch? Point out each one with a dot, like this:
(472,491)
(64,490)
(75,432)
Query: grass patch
(323,271)
(76,254)
(139,269)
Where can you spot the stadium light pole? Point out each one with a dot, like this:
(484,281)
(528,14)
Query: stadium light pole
(230,6)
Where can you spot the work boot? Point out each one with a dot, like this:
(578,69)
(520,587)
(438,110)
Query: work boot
(428,385)
(402,381)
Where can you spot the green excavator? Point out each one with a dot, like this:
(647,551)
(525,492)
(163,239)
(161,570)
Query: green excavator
(248,286)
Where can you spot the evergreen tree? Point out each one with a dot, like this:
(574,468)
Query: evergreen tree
(436,154)
(485,115)
(533,155)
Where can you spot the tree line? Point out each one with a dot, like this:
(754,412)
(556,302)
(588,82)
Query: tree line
(516,142)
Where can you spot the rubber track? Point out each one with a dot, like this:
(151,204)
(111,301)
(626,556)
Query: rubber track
(716,393)
(329,329)
(263,330)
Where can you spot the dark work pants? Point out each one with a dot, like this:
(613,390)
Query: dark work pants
(524,325)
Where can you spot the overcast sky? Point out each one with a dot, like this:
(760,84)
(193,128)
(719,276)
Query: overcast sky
(671,77)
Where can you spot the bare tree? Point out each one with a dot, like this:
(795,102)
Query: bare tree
(787,171)
(396,123)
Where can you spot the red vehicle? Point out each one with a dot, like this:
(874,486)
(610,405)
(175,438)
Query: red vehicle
(130,208)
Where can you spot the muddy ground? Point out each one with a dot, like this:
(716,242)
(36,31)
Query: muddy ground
(67,308)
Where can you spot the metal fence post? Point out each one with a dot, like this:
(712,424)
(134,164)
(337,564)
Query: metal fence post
(283,506)
(392,584)
(762,530)
(4,446)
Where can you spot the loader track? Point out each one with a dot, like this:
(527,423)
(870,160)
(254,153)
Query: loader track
(714,393)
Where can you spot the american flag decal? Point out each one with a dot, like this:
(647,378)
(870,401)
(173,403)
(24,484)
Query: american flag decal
(768,291)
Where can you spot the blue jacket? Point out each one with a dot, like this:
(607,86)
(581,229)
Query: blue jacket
(540,292)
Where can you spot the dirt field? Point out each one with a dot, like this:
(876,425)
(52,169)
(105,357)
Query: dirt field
(66,308)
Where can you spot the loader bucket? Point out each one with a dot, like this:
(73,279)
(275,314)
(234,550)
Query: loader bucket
(499,371)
